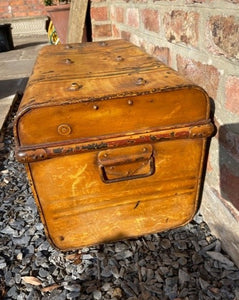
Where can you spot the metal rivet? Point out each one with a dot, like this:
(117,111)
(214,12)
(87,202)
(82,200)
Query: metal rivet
(145,149)
(140,81)
(68,46)
(75,86)
(130,102)
(64,129)
(95,107)
(68,61)
(119,58)
(106,155)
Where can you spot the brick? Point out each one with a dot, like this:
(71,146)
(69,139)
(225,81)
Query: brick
(182,27)
(223,36)
(103,30)
(229,183)
(16,2)
(6,15)
(232,95)
(99,13)
(3,10)
(115,31)
(162,54)
(204,75)
(119,14)
(3,3)
(19,10)
(36,6)
(125,35)
(39,8)
(150,19)
(132,17)
(34,13)
(19,14)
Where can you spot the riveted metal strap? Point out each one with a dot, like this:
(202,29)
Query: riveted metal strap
(47,151)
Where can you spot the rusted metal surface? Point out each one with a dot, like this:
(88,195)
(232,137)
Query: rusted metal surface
(107,130)
(41,152)
(85,115)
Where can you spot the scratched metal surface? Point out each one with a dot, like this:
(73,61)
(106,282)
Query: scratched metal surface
(111,100)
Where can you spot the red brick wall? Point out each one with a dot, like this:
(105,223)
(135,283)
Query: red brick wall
(21,8)
(199,38)
(101,20)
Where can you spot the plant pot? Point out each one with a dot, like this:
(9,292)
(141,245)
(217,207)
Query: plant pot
(59,15)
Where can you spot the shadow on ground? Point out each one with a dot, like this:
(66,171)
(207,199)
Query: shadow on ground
(12,86)
(27,45)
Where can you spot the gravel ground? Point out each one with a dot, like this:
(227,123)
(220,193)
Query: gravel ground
(185,263)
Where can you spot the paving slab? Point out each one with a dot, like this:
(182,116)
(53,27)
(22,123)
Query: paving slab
(15,68)
(19,62)
(5,107)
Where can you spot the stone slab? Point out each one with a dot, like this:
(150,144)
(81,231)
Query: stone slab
(221,222)
(16,69)
(27,26)
(5,108)
(18,63)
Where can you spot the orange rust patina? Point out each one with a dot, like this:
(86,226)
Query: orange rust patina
(113,141)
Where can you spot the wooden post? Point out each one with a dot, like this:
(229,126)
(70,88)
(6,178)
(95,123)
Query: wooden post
(76,23)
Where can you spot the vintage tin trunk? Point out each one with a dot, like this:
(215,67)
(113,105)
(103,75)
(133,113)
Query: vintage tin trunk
(113,142)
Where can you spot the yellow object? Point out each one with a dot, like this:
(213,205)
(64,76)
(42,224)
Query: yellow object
(52,34)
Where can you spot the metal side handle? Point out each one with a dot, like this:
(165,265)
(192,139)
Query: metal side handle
(126,163)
